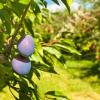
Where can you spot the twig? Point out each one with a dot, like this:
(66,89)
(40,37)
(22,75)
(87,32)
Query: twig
(8,50)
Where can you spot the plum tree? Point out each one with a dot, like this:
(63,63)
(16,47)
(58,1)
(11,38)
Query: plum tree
(26,45)
(16,18)
(21,65)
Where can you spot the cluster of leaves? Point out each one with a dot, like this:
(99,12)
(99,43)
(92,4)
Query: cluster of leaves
(18,17)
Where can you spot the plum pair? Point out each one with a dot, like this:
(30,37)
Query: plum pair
(21,64)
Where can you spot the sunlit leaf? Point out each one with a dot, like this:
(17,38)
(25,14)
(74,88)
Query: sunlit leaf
(53,51)
(68,42)
(70,2)
(39,47)
(24,1)
(1,6)
(36,57)
(58,95)
(37,73)
(68,48)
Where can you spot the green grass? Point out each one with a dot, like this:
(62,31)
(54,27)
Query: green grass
(72,81)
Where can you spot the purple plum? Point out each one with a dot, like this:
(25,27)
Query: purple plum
(26,46)
(21,65)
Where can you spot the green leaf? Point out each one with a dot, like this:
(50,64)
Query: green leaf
(47,58)
(68,42)
(1,6)
(35,90)
(35,8)
(1,40)
(37,73)
(4,72)
(69,2)
(8,26)
(17,7)
(44,3)
(36,57)
(53,51)
(57,94)
(25,2)
(56,1)
(5,16)
(68,48)
(66,4)
(43,67)
(3,1)
(39,48)
(28,24)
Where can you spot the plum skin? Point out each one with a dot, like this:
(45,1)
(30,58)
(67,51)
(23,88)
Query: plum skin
(26,46)
(21,65)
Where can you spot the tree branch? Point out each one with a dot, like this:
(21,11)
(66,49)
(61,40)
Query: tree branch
(8,50)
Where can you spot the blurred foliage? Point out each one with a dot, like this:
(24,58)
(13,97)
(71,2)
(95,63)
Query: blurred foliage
(82,27)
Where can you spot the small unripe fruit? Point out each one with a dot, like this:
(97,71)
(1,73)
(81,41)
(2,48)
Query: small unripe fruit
(26,46)
(21,65)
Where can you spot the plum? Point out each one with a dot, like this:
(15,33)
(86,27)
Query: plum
(21,65)
(26,46)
